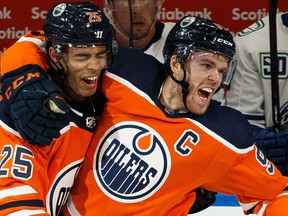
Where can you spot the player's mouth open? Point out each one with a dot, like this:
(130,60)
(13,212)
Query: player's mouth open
(90,80)
(204,93)
(139,24)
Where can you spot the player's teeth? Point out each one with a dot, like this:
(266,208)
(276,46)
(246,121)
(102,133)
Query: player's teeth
(91,78)
(207,90)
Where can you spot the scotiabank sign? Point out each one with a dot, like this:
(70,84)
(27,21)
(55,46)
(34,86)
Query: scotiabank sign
(20,16)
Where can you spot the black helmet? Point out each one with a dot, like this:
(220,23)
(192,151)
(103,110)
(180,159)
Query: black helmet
(78,24)
(192,33)
(197,33)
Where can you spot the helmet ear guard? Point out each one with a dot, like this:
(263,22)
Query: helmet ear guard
(227,77)
(182,53)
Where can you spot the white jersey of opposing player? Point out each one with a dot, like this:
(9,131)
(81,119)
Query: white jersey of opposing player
(155,49)
(250,89)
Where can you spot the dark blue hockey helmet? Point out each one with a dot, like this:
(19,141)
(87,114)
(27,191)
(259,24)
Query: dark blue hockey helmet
(196,33)
(79,24)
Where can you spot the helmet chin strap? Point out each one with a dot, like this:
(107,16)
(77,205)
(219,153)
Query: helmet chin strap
(183,83)
(131,45)
(59,76)
(130,37)
(61,79)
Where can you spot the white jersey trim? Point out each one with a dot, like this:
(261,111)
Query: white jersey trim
(17,191)
(36,41)
(9,129)
(27,213)
(71,207)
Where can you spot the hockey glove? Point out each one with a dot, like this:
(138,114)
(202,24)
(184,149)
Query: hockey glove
(204,199)
(275,146)
(34,101)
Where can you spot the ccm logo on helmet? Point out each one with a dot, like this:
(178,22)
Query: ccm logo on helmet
(220,40)
(94,17)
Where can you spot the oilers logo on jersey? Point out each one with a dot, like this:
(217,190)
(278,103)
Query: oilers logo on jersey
(126,170)
(61,186)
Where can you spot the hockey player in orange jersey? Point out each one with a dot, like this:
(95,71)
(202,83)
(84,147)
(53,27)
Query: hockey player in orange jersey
(161,136)
(80,41)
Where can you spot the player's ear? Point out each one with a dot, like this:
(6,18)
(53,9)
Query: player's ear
(53,55)
(176,68)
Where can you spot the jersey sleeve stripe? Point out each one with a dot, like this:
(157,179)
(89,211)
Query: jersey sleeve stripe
(71,207)
(16,191)
(6,127)
(27,213)
(247,206)
(33,203)
(36,41)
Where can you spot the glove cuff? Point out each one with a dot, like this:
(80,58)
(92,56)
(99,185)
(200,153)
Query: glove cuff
(14,81)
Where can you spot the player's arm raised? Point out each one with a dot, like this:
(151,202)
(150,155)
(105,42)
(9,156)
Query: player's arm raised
(31,94)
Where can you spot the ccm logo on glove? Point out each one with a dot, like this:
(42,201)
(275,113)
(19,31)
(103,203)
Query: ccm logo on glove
(19,81)
(35,102)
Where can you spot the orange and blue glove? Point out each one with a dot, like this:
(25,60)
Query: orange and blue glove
(35,104)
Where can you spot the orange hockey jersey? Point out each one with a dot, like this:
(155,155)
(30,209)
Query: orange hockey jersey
(145,159)
(36,180)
